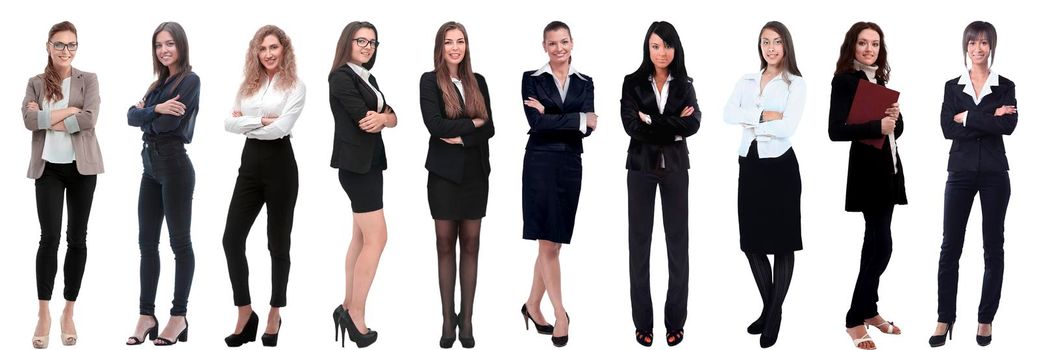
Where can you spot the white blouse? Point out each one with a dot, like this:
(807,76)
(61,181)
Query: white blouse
(747,103)
(268,101)
(57,146)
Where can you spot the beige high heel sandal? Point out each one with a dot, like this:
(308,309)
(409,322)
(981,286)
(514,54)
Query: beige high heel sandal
(40,342)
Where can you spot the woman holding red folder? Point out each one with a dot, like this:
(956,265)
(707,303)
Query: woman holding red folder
(875,179)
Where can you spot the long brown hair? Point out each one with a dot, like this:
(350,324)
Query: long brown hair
(255,73)
(789,62)
(51,78)
(475,108)
(183,63)
(345,46)
(846,62)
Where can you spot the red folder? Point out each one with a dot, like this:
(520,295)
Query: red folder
(869,104)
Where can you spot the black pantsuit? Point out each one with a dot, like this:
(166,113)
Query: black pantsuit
(658,157)
(977,165)
(267,176)
(876,183)
(57,181)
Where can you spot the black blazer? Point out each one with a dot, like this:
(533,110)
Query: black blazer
(350,97)
(978,146)
(650,144)
(444,159)
(872,181)
(559,128)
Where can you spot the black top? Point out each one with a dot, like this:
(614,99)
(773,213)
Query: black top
(558,129)
(350,98)
(447,160)
(653,145)
(978,146)
(872,180)
(165,126)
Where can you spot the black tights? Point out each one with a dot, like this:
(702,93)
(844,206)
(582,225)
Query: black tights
(771,285)
(467,234)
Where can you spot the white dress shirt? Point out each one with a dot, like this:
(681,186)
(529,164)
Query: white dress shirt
(286,105)
(565,87)
(749,101)
(968,88)
(57,146)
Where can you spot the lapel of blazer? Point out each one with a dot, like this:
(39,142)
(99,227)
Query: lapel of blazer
(675,94)
(76,87)
(647,97)
(370,100)
(574,90)
(547,83)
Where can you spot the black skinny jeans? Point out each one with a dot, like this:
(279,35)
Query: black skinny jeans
(167,185)
(268,175)
(51,189)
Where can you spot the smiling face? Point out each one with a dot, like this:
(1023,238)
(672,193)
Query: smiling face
(270,53)
(867,47)
(978,50)
(660,53)
(454,47)
(62,59)
(165,49)
(360,55)
(771,47)
(557,45)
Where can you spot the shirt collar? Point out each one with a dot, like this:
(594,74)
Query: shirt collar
(652,77)
(993,78)
(361,71)
(547,68)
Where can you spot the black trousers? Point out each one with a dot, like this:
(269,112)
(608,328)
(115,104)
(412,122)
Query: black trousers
(268,175)
(57,181)
(674,202)
(876,253)
(167,185)
(960,190)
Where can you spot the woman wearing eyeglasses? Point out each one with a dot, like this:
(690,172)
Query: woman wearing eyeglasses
(456,109)
(361,113)
(268,104)
(60,108)
(166,116)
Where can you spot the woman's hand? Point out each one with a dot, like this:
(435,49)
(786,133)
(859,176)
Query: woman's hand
(770,116)
(533,103)
(236,114)
(887,125)
(591,120)
(479,122)
(268,119)
(687,111)
(1001,111)
(893,112)
(457,140)
(373,122)
(958,118)
(32,106)
(644,118)
(171,107)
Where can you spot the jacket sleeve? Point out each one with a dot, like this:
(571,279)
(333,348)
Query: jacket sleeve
(437,124)
(675,124)
(34,120)
(485,132)
(546,122)
(633,125)
(986,121)
(86,118)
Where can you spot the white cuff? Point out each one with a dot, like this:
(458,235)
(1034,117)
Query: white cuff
(584,123)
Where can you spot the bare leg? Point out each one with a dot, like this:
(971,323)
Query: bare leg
(548,255)
(373,229)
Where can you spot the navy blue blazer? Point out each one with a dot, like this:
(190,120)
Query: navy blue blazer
(978,146)
(559,128)
(444,159)
(653,146)
(350,98)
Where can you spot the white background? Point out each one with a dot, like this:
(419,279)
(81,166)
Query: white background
(719,39)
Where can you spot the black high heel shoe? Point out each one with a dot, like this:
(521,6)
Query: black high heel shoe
(939,340)
(467,343)
(675,337)
(448,342)
(362,340)
(150,333)
(337,316)
(985,340)
(248,333)
(182,337)
(542,329)
(561,340)
(269,339)
(645,338)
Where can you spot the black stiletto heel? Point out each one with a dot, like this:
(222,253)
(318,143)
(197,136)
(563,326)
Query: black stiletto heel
(939,340)
(361,339)
(542,329)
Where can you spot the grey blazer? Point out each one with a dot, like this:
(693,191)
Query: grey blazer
(83,94)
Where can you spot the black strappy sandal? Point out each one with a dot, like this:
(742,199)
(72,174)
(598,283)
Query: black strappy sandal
(644,337)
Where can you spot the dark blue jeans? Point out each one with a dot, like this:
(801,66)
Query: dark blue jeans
(167,185)
(960,190)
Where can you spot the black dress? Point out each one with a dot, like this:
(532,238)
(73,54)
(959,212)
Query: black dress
(769,203)
(552,164)
(457,184)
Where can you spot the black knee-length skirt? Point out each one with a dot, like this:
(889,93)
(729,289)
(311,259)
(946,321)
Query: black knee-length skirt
(551,190)
(769,203)
(449,200)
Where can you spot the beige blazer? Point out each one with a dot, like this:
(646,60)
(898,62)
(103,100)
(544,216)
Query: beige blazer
(83,94)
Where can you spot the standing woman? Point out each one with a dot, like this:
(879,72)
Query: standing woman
(456,109)
(166,115)
(659,111)
(768,105)
(360,113)
(875,180)
(980,107)
(560,106)
(60,108)
(268,104)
